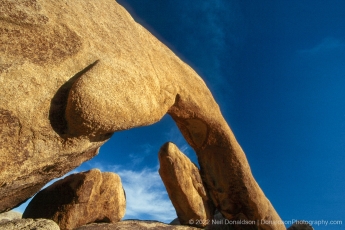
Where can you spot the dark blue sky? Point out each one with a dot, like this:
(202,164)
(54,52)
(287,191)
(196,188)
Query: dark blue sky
(277,70)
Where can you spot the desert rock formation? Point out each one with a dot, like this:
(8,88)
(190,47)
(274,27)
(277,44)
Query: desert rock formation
(74,72)
(80,199)
(185,187)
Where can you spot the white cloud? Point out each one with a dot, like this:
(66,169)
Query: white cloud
(146,195)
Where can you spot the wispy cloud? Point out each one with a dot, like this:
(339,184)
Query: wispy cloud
(174,135)
(146,195)
(326,45)
(139,157)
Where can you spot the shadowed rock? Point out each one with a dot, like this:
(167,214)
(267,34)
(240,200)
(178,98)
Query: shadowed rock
(80,199)
(185,187)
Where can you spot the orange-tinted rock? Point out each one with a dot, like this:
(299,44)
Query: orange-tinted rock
(185,187)
(80,199)
(68,81)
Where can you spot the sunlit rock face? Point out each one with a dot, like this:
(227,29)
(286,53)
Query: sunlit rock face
(80,199)
(74,72)
(185,187)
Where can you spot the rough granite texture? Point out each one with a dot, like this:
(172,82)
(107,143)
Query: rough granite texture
(80,199)
(8,216)
(185,187)
(29,224)
(74,72)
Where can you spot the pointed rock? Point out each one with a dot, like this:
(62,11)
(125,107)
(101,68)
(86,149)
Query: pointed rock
(80,199)
(185,187)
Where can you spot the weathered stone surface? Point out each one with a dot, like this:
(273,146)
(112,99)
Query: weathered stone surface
(29,224)
(41,54)
(135,224)
(80,199)
(8,216)
(301,225)
(185,187)
(107,74)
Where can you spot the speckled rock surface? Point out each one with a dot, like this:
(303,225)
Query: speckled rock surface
(185,187)
(80,199)
(8,216)
(29,224)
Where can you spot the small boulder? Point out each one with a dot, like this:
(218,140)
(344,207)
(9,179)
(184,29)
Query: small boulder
(8,216)
(80,199)
(185,187)
(29,224)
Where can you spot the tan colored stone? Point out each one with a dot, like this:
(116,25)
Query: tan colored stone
(80,199)
(29,224)
(135,224)
(111,74)
(185,187)
(8,216)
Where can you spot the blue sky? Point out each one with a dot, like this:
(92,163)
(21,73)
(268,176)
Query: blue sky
(277,70)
